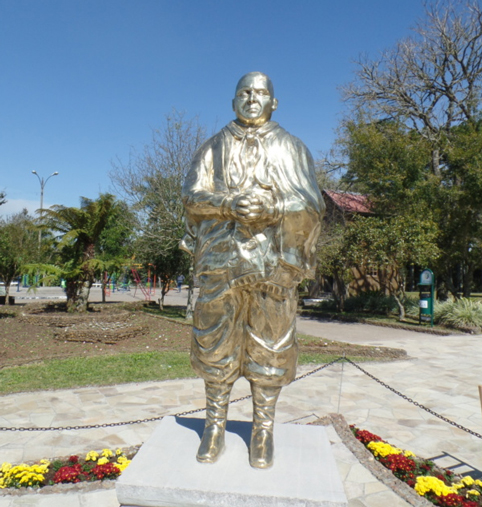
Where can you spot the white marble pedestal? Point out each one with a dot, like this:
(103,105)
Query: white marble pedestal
(165,473)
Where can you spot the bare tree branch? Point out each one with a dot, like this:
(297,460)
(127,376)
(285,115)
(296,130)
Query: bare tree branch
(151,181)
(431,81)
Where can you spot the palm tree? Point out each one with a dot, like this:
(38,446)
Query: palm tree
(80,230)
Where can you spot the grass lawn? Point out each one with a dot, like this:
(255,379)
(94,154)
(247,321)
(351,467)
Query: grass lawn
(43,347)
(95,371)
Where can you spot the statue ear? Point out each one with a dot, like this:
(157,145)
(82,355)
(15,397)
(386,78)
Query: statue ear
(275,105)
(232,103)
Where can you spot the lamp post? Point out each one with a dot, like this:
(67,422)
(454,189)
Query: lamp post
(42,186)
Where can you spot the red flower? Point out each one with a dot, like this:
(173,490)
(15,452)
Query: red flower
(107,471)
(454,500)
(68,474)
(443,479)
(364,436)
(401,466)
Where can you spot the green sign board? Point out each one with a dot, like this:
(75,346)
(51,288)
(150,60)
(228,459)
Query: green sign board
(427,290)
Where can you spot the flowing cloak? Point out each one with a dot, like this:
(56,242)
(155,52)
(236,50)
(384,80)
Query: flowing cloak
(244,320)
(281,252)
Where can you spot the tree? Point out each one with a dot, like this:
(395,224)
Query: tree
(18,245)
(330,262)
(80,231)
(3,198)
(333,262)
(389,244)
(115,245)
(388,162)
(430,82)
(151,182)
(460,204)
(413,138)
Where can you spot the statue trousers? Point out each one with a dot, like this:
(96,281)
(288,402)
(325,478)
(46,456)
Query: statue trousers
(244,331)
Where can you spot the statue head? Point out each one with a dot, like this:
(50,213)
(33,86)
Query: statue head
(254,100)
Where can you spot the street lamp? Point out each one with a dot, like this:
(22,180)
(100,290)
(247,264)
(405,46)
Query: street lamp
(42,186)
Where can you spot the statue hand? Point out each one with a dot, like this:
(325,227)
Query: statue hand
(250,208)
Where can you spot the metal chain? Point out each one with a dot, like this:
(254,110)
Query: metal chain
(82,427)
(151,419)
(316,370)
(413,402)
(248,396)
(197,410)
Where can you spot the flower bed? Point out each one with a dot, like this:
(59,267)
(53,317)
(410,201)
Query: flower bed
(94,467)
(440,486)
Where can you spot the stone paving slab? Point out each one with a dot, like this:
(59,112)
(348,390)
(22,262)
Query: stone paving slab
(95,498)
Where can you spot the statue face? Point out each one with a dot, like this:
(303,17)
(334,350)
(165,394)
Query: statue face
(254,102)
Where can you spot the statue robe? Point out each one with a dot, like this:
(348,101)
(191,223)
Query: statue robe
(244,319)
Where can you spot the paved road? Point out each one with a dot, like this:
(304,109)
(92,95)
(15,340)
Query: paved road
(442,373)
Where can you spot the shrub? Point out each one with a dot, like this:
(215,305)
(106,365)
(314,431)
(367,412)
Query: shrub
(371,302)
(463,314)
(411,305)
(327,305)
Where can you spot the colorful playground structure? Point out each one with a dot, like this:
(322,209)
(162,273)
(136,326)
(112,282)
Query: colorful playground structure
(111,282)
(148,288)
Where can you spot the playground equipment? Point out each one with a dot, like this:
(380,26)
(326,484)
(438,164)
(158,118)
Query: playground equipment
(149,288)
(106,284)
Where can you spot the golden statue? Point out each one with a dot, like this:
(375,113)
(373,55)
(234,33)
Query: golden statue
(253,217)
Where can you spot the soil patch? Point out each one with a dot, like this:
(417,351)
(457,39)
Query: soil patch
(38,331)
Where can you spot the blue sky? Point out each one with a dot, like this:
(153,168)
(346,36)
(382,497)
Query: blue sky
(83,81)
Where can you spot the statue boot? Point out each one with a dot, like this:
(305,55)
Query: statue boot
(212,442)
(261,449)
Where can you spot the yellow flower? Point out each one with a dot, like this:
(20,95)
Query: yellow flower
(92,456)
(24,475)
(107,453)
(119,452)
(409,454)
(103,461)
(45,462)
(427,484)
(467,480)
(473,492)
(122,463)
(5,467)
(478,483)
(383,449)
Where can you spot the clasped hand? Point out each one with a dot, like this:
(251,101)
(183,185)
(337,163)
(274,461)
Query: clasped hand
(252,207)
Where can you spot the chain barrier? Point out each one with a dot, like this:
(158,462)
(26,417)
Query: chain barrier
(316,370)
(151,419)
(237,400)
(413,402)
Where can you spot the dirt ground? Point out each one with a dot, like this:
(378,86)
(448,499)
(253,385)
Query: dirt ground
(37,331)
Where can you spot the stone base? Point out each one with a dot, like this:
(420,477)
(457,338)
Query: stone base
(165,473)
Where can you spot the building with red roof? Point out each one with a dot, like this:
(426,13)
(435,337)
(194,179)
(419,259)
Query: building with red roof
(342,207)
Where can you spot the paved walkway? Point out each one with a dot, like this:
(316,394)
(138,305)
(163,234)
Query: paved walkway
(442,373)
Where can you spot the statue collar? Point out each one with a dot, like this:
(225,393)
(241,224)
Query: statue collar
(239,131)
